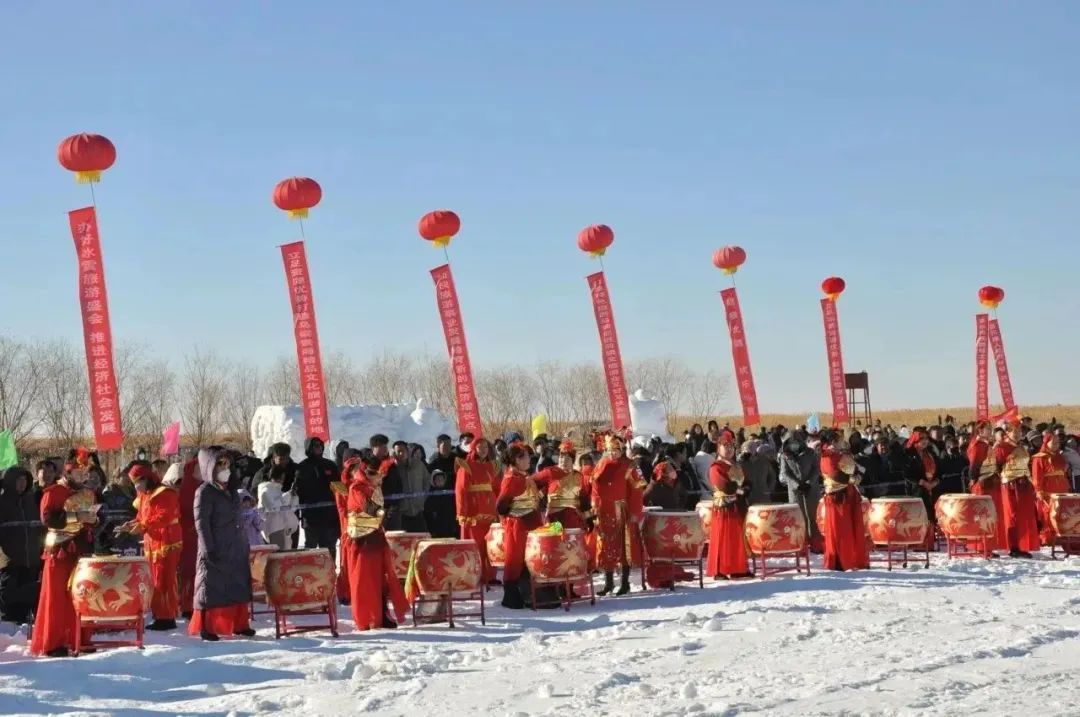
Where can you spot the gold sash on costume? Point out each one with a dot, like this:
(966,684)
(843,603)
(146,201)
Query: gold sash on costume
(363,523)
(527,502)
(81,501)
(568,496)
(1016,466)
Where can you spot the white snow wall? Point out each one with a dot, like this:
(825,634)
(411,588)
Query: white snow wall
(355,424)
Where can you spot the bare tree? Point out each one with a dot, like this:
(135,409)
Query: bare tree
(551,395)
(666,378)
(705,395)
(433,384)
(388,378)
(241,399)
(20,386)
(505,396)
(202,395)
(586,394)
(149,398)
(65,404)
(340,378)
(282,384)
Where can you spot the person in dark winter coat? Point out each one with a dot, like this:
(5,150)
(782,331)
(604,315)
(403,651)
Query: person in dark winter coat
(280,455)
(118,499)
(393,482)
(440,511)
(322,526)
(873,469)
(951,466)
(21,547)
(223,570)
(800,470)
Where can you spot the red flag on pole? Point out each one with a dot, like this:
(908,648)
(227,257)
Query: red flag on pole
(306,333)
(982,382)
(1002,366)
(457,349)
(740,353)
(837,385)
(610,355)
(97,331)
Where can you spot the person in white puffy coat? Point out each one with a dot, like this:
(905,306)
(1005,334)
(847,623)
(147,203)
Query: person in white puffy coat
(278,508)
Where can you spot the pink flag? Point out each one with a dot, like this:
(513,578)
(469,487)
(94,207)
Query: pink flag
(170,440)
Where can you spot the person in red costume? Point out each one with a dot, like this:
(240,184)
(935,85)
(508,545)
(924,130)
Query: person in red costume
(340,489)
(985,480)
(1049,475)
(587,466)
(727,546)
(189,551)
(845,532)
(372,581)
(69,514)
(567,498)
(921,474)
(1017,495)
(158,520)
(665,492)
(617,488)
(519,504)
(474,491)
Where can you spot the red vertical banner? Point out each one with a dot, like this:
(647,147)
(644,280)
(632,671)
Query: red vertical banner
(97,331)
(308,354)
(837,385)
(610,355)
(740,353)
(982,373)
(1002,366)
(457,349)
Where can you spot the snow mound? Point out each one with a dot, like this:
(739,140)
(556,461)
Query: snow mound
(355,424)
(648,418)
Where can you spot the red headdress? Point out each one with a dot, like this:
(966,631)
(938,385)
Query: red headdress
(916,437)
(79,460)
(567,448)
(140,471)
(659,469)
(726,437)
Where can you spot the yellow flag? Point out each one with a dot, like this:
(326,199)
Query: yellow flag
(539,425)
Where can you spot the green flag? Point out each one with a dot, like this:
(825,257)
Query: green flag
(8,456)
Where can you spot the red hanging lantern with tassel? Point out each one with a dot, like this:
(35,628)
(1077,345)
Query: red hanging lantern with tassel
(87,155)
(729,258)
(833,287)
(439,227)
(991,296)
(296,195)
(595,239)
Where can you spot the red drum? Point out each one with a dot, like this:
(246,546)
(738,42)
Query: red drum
(445,565)
(300,580)
(965,516)
(704,511)
(866,515)
(1065,514)
(898,521)
(111,587)
(775,529)
(257,557)
(402,545)
(495,551)
(556,556)
(669,535)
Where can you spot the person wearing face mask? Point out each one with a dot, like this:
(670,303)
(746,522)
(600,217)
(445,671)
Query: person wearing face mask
(69,512)
(223,572)
(158,521)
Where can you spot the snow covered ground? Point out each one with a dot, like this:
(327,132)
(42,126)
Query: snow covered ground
(966,637)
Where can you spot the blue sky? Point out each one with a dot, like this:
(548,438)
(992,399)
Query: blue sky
(917,151)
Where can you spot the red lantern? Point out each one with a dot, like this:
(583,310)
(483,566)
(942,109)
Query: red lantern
(833,287)
(991,296)
(296,195)
(87,155)
(595,239)
(729,259)
(439,226)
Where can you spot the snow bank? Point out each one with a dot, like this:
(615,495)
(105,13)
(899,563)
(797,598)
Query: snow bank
(355,424)
(648,418)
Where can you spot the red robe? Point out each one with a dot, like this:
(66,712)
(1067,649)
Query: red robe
(341,495)
(54,624)
(519,500)
(590,530)
(617,489)
(371,563)
(845,531)
(189,552)
(474,490)
(1017,497)
(727,542)
(986,481)
(1049,475)
(565,493)
(159,518)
